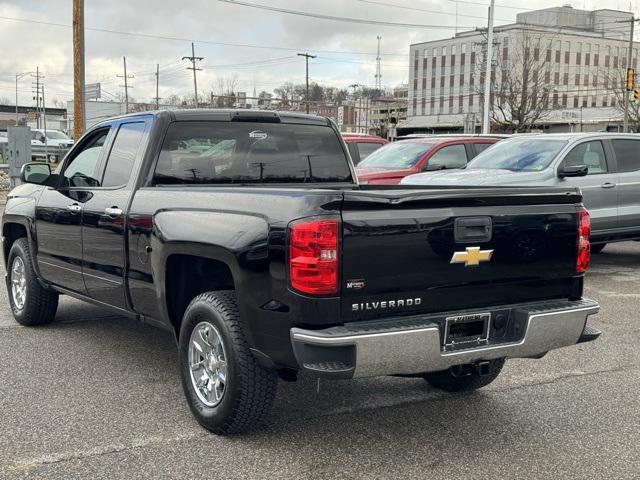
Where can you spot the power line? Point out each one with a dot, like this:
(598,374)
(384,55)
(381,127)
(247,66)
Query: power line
(336,18)
(184,39)
(424,10)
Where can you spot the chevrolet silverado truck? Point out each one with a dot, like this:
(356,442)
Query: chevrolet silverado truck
(246,235)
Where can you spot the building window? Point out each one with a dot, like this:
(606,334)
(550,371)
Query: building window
(586,80)
(548,58)
(441,103)
(442,81)
(461,80)
(424,105)
(473,58)
(432,104)
(584,102)
(593,101)
(460,102)
(450,103)
(577,79)
(564,100)
(596,60)
(434,63)
(415,106)
(565,79)
(451,81)
(575,102)
(536,54)
(556,78)
(555,100)
(594,80)
(444,50)
(604,101)
(471,100)
(615,61)
(578,58)
(566,58)
(425,62)
(547,77)
(424,83)
(433,83)
(415,84)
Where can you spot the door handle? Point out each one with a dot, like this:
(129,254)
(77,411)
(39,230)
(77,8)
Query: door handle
(608,185)
(75,208)
(113,211)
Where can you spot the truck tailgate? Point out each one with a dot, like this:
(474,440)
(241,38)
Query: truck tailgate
(434,250)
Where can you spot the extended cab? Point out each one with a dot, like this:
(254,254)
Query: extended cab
(246,235)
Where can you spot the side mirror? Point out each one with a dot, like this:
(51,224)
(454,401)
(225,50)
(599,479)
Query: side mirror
(35,172)
(431,167)
(573,171)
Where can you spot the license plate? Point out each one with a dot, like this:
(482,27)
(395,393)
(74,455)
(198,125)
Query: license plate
(465,331)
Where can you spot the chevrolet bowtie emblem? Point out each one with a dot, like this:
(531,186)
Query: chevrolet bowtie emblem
(472,256)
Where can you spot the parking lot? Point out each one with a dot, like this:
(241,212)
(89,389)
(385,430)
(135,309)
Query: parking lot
(98,396)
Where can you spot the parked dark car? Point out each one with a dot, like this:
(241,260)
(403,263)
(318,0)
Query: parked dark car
(397,160)
(246,235)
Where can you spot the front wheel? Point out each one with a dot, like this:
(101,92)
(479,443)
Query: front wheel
(226,389)
(30,302)
(456,380)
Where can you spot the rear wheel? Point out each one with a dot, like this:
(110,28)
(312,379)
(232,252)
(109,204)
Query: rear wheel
(30,302)
(227,390)
(456,379)
(598,247)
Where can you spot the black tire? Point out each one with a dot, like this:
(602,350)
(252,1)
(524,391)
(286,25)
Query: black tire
(446,380)
(249,389)
(40,305)
(597,248)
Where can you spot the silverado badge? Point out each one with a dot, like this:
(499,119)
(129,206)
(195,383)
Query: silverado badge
(472,256)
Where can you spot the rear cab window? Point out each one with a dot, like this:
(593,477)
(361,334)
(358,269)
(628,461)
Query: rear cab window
(210,152)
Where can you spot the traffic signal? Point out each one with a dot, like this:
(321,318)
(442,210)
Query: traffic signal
(636,96)
(631,79)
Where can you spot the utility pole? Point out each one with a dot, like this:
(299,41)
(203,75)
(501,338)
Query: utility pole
(44,120)
(378,66)
(157,99)
(307,57)
(487,78)
(193,59)
(37,96)
(78,69)
(625,127)
(126,85)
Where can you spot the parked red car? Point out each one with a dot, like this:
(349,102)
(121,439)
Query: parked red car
(393,162)
(361,146)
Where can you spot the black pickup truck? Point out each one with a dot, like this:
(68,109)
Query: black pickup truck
(246,234)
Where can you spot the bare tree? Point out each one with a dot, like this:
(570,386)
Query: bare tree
(522,85)
(615,82)
(286,94)
(225,91)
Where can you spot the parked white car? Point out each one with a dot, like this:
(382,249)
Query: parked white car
(54,138)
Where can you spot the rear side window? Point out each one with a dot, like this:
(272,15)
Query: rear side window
(452,156)
(627,155)
(123,154)
(367,148)
(481,147)
(248,152)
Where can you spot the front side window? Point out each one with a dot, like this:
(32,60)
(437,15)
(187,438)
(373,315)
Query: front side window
(452,156)
(627,154)
(247,152)
(123,154)
(82,170)
(519,155)
(590,154)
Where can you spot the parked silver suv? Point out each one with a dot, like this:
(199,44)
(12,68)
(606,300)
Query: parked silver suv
(606,167)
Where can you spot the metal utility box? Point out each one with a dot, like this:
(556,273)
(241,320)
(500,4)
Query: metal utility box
(19,150)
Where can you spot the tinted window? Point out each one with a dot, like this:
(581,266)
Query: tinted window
(452,156)
(395,156)
(481,147)
(247,152)
(519,154)
(627,154)
(82,169)
(590,154)
(123,154)
(367,148)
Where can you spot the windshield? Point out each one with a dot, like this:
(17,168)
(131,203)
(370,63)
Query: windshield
(396,156)
(56,135)
(519,154)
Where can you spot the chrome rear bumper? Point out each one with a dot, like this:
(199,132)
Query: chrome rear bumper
(414,345)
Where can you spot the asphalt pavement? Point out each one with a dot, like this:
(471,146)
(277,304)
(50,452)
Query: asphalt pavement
(98,396)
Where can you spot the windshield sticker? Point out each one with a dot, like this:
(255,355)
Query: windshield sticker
(258,134)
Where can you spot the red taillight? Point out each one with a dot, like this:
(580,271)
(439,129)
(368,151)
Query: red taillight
(584,247)
(313,257)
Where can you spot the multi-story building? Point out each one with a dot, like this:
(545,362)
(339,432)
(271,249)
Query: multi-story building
(575,61)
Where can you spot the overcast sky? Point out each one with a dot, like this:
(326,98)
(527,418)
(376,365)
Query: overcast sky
(346,51)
